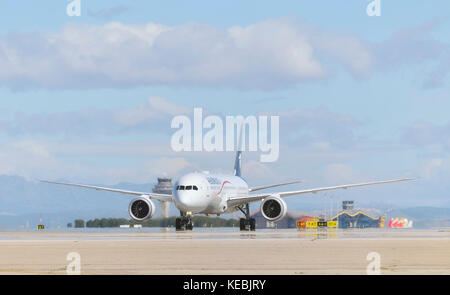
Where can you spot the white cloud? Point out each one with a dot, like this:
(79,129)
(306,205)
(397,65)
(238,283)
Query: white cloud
(353,53)
(33,160)
(7,214)
(431,168)
(416,47)
(168,166)
(267,55)
(26,158)
(260,172)
(427,134)
(154,108)
(108,13)
(283,47)
(154,115)
(339,173)
(318,128)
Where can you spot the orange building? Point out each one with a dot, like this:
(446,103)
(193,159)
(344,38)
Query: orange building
(302,221)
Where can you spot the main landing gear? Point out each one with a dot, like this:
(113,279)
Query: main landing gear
(247,223)
(184,222)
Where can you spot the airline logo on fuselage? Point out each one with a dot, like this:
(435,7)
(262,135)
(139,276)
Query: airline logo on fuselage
(223,184)
(213,180)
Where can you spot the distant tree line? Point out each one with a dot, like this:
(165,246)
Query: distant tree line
(79,223)
(107,222)
(199,221)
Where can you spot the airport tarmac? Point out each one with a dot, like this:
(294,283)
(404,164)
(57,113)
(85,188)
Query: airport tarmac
(226,251)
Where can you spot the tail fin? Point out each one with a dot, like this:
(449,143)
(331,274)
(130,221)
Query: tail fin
(238,161)
(237,164)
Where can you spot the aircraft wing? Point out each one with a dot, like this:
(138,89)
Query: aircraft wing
(254,198)
(254,189)
(159,197)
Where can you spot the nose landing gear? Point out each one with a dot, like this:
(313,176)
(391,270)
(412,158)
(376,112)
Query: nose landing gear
(184,222)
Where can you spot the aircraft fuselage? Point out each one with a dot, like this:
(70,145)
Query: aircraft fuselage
(203,193)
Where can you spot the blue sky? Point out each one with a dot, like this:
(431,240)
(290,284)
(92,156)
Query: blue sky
(360,98)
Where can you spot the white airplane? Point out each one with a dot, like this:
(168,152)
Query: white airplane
(204,193)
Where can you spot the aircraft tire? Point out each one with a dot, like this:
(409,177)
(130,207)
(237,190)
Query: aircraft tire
(252,224)
(178,224)
(242,223)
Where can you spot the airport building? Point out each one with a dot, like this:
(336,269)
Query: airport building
(350,217)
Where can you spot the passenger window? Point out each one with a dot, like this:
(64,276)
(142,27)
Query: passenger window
(195,188)
(189,187)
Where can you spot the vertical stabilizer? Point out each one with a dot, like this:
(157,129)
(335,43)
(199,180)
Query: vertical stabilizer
(238,161)
(237,165)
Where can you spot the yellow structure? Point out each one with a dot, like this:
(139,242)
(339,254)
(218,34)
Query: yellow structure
(333,224)
(382,221)
(316,223)
(311,224)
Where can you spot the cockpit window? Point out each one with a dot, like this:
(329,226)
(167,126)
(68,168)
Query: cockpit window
(187,188)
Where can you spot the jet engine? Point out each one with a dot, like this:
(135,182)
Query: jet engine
(273,208)
(142,209)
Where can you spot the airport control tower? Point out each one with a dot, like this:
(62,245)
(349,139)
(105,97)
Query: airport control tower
(164,186)
(348,205)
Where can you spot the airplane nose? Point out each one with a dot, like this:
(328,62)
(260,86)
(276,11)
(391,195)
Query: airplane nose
(189,202)
(184,199)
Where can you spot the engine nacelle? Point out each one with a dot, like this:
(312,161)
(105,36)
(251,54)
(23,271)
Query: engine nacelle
(273,208)
(142,209)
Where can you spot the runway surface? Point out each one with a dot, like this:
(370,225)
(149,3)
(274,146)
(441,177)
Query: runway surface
(219,251)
